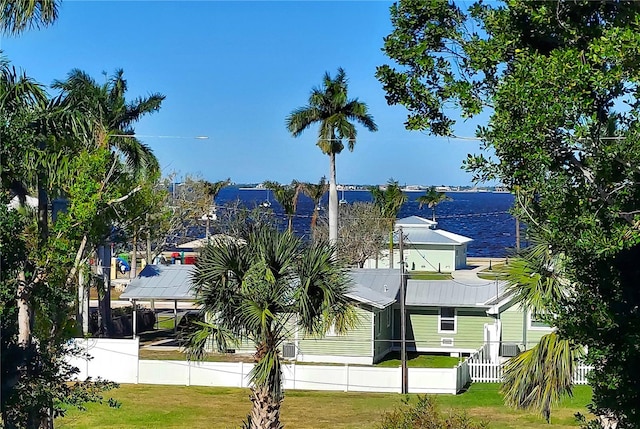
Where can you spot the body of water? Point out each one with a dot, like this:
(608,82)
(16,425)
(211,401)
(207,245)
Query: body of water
(482,216)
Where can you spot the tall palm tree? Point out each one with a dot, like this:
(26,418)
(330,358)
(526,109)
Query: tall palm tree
(287,197)
(330,107)
(315,192)
(540,377)
(390,201)
(432,198)
(18,16)
(263,291)
(114,116)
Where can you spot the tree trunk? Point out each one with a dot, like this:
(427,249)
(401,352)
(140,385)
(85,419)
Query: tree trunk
(76,263)
(314,218)
(104,261)
(148,246)
(333,202)
(265,412)
(290,227)
(83,305)
(391,246)
(133,266)
(24,313)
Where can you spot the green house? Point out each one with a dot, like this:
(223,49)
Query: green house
(374,293)
(443,316)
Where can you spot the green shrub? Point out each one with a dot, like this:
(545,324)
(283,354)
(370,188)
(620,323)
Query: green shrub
(424,414)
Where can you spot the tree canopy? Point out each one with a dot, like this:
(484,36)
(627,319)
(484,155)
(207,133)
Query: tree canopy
(552,76)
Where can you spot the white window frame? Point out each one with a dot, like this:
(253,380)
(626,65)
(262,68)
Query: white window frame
(536,328)
(455,321)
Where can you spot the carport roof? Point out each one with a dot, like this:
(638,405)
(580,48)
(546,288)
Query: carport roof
(169,282)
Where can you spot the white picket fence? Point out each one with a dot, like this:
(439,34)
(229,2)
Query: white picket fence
(484,371)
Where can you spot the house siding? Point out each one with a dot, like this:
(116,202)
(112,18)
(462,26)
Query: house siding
(382,331)
(430,257)
(356,342)
(514,322)
(422,329)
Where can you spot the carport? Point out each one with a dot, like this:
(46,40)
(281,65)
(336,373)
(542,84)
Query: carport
(160,283)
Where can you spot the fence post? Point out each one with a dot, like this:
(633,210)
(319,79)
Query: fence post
(346,377)
(241,373)
(188,372)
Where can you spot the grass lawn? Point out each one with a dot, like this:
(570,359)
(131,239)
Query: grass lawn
(178,355)
(146,406)
(497,271)
(429,275)
(415,360)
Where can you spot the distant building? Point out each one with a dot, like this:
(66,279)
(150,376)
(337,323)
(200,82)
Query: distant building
(426,248)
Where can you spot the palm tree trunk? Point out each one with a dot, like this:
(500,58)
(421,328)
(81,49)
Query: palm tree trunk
(265,412)
(391,246)
(290,227)
(333,202)
(314,218)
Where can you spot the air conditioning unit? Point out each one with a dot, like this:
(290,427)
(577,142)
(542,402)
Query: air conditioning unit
(509,349)
(446,342)
(289,350)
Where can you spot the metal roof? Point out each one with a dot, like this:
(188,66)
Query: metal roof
(376,287)
(434,236)
(415,221)
(161,282)
(452,293)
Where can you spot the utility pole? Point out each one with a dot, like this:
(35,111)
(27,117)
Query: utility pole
(403,322)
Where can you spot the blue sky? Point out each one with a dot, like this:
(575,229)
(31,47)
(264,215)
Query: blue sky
(233,71)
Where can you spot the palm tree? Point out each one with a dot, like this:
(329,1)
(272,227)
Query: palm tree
(18,16)
(330,107)
(114,116)
(287,197)
(541,376)
(315,192)
(390,201)
(432,198)
(261,290)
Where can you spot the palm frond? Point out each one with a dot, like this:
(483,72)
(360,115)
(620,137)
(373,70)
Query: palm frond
(17,16)
(541,376)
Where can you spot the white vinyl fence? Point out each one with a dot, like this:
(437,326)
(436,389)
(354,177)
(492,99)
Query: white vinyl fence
(481,370)
(117,360)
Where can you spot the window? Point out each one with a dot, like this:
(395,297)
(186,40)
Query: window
(447,320)
(536,322)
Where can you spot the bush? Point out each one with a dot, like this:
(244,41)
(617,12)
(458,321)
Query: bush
(425,415)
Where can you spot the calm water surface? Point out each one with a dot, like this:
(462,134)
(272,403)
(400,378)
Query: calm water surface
(482,216)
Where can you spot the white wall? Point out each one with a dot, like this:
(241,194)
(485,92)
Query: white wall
(112,359)
(117,360)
